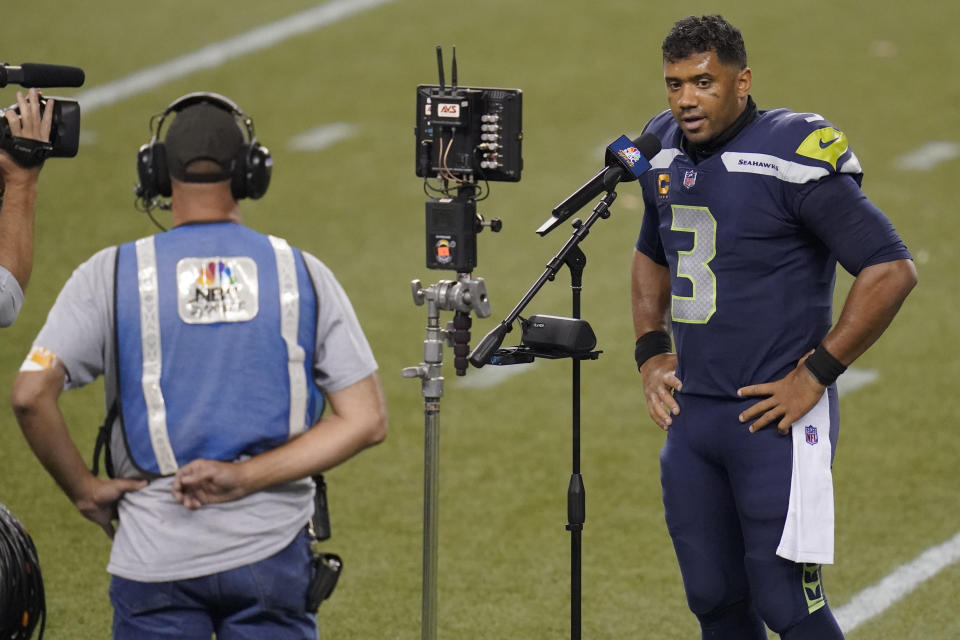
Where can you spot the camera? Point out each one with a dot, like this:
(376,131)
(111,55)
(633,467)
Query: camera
(64,134)
(65,129)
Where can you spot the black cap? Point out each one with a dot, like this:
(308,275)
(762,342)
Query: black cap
(203,131)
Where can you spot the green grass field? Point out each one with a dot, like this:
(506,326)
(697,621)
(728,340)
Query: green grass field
(882,71)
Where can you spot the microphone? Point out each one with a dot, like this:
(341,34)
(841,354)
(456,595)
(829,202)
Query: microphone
(626,160)
(491,342)
(41,75)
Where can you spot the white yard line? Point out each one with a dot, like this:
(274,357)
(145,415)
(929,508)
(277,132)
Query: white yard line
(218,53)
(876,599)
(854,378)
(321,137)
(490,375)
(928,156)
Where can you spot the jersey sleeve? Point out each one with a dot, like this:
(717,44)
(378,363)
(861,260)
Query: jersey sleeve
(648,242)
(342,353)
(80,322)
(857,233)
(829,201)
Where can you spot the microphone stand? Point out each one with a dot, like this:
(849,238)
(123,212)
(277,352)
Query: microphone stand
(488,351)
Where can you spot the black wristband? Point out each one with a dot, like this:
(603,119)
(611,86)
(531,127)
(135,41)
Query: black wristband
(28,152)
(824,367)
(650,344)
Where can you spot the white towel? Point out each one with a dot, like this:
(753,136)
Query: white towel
(808,531)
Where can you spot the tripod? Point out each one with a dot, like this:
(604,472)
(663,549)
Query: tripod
(462,296)
(488,351)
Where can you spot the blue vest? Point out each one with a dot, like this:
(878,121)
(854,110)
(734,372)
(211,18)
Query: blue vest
(215,334)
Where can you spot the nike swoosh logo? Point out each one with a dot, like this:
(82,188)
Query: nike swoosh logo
(824,145)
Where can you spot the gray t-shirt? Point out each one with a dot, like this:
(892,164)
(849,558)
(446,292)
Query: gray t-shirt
(158,539)
(11,297)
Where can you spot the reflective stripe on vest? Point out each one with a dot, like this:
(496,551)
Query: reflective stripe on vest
(152,355)
(289,323)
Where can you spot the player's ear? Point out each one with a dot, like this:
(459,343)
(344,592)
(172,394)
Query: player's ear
(744,82)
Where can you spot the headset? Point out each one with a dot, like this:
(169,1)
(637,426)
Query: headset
(250,175)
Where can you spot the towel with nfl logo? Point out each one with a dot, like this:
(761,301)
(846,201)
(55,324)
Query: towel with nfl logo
(808,531)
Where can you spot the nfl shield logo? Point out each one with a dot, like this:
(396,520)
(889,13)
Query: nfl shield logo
(811,434)
(689,179)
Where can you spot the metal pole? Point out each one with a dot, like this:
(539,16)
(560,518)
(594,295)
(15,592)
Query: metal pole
(431,482)
(463,296)
(576,260)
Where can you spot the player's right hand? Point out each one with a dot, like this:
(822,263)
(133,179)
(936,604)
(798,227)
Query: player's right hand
(659,375)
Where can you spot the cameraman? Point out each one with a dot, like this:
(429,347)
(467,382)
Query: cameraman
(219,346)
(18,195)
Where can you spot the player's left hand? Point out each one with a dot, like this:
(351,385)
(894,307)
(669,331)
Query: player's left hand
(203,482)
(789,399)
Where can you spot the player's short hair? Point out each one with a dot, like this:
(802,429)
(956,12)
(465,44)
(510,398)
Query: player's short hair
(694,34)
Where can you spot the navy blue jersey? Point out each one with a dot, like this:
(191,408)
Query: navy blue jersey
(752,235)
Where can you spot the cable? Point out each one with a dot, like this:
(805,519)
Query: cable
(146,206)
(22,600)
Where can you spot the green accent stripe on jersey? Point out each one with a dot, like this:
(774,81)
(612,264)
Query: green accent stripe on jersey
(813,587)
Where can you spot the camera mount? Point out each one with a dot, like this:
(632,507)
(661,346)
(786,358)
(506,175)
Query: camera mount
(463,296)
(463,135)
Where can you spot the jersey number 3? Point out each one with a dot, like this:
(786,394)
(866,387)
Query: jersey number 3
(694,265)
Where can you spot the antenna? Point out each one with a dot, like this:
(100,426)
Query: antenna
(440,65)
(453,69)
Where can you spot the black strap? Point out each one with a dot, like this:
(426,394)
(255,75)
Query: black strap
(650,344)
(103,442)
(824,367)
(26,151)
(320,523)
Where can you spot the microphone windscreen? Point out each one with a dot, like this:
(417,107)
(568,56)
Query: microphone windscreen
(633,155)
(648,144)
(51,75)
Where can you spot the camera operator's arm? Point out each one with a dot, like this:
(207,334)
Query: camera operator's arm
(358,420)
(34,399)
(18,186)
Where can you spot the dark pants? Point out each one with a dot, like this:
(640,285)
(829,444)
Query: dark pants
(725,494)
(265,599)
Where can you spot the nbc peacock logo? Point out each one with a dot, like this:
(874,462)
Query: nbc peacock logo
(631,154)
(217,289)
(216,274)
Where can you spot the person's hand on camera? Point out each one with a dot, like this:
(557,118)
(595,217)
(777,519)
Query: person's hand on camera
(29,124)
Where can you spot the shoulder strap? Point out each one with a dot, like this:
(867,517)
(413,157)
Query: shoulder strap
(103,442)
